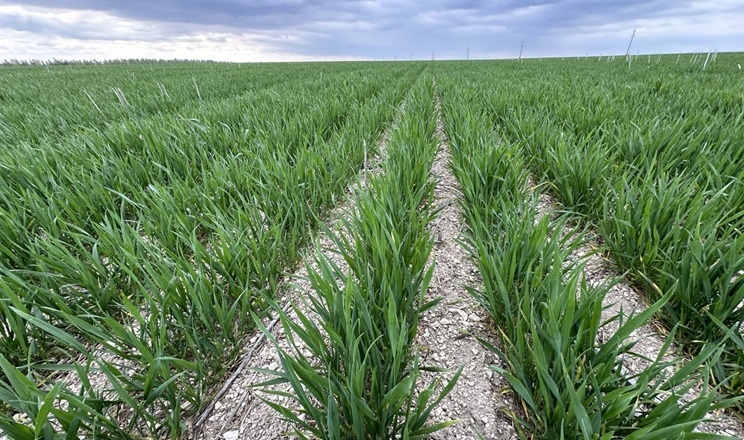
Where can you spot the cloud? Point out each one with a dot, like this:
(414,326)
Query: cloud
(77,25)
(245,30)
(45,33)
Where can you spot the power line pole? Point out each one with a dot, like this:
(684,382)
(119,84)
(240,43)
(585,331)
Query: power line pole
(627,52)
(520,52)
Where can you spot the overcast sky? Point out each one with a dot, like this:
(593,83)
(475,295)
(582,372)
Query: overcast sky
(279,30)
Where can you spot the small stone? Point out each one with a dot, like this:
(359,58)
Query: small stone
(474,317)
(21,418)
(231,435)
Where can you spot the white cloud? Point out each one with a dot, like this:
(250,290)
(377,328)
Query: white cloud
(45,33)
(80,24)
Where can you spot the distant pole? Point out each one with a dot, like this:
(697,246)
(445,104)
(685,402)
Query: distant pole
(467,54)
(432,55)
(520,51)
(627,52)
(411,56)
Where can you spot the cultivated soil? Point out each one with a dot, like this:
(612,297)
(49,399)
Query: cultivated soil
(481,399)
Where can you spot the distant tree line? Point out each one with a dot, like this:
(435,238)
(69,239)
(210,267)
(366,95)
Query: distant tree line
(56,62)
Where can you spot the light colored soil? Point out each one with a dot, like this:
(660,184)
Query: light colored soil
(447,333)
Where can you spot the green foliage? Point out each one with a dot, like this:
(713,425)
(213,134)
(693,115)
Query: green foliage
(138,241)
(148,212)
(649,156)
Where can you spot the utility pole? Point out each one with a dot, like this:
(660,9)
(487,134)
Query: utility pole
(627,52)
(467,54)
(520,52)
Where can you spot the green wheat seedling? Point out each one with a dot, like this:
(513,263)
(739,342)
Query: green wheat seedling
(572,385)
(676,240)
(44,418)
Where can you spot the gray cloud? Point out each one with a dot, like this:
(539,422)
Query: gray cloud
(390,28)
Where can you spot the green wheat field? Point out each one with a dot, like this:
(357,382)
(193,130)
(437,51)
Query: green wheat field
(150,214)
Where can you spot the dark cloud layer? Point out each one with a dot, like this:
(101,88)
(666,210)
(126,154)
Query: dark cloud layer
(389,28)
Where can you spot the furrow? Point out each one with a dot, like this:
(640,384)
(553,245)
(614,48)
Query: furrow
(447,335)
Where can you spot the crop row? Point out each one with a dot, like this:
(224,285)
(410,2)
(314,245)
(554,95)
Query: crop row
(353,370)
(144,232)
(134,257)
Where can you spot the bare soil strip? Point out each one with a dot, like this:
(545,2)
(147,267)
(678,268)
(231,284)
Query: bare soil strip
(649,338)
(481,399)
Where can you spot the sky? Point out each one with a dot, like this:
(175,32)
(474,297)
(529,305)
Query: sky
(304,30)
